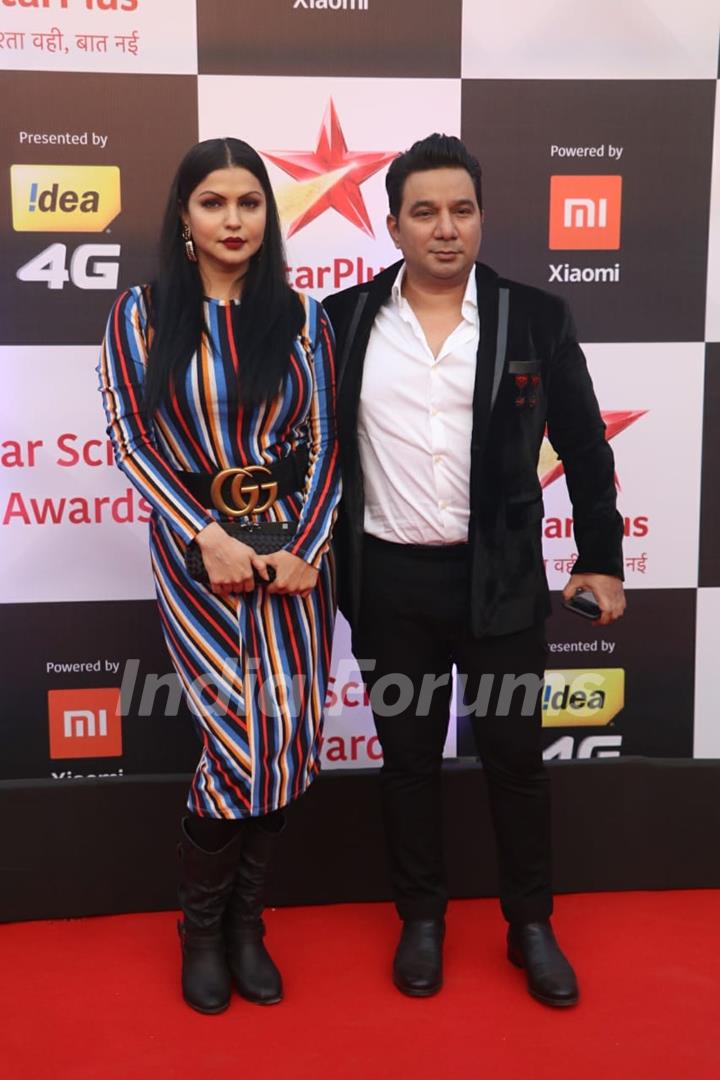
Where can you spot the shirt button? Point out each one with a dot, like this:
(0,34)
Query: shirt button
(433,411)
(437,458)
(443,505)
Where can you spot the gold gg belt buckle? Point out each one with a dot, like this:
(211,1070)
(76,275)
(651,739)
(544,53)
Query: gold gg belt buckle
(245,496)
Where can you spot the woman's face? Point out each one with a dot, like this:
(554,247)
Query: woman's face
(226,213)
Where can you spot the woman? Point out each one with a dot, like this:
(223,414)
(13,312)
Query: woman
(217,366)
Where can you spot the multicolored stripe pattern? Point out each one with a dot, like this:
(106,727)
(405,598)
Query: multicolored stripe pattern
(254,668)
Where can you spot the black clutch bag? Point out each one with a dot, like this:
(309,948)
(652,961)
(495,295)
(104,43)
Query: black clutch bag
(264,537)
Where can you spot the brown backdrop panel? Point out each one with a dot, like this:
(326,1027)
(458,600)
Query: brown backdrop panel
(654,644)
(665,130)
(148,122)
(123,644)
(393,38)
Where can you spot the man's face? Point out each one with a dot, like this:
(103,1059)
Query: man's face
(439,226)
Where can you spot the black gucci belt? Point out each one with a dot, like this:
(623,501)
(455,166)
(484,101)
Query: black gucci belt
(248,489)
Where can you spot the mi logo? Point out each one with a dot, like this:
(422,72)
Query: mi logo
(585,213)
(85,723)
(581,214)
(80,723)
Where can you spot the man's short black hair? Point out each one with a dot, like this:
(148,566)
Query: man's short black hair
(434,152)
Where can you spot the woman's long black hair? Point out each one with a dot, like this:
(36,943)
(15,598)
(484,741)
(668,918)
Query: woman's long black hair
(267,320)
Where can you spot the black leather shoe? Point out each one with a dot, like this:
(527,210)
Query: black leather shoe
(418,964)
(550,977)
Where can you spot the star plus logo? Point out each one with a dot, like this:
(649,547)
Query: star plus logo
(550,467)
(330,178)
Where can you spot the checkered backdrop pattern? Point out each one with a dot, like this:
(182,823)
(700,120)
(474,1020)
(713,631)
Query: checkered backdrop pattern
(599,133)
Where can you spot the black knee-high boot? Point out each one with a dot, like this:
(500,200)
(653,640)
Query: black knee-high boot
(206,882)
(256,976)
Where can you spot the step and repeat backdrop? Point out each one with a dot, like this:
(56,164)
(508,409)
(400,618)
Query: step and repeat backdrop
(599,133)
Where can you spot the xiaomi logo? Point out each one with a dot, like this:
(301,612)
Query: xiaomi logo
(85,723)
(585,213)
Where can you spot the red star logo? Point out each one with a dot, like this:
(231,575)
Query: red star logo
(332,156)
(550,467)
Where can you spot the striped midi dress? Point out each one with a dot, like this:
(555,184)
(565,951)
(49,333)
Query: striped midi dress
(253,667)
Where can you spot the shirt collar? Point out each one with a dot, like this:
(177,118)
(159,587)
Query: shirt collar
(469,304)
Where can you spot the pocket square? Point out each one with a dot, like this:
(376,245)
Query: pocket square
(524,367)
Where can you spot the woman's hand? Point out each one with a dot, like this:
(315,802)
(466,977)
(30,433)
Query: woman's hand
(293,576)
(229,563)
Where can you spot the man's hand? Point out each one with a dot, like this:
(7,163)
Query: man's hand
(607,590)
(293,576)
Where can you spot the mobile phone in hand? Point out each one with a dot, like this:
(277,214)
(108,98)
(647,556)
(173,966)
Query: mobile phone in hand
(584,603)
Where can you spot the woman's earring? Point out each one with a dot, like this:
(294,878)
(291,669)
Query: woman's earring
(189,246)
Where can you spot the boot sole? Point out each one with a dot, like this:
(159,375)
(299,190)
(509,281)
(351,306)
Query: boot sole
(408,992)
(553,1002)
(565,1003)
(258,1001)
(207,1012)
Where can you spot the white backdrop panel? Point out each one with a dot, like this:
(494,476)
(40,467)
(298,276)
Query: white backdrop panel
(584,39)
(286,117)
(50,395)
(657,460)
(707,683)
(143,39)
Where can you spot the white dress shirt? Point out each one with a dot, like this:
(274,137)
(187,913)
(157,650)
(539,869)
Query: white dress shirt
(415,425)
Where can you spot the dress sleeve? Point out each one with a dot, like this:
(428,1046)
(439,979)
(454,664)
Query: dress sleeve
(121,372)
(322,488)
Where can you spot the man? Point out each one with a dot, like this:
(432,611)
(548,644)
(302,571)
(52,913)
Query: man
(448,375)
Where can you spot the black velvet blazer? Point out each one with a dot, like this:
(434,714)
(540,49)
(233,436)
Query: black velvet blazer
(523,332)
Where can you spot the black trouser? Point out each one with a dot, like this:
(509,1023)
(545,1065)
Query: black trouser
(414,622)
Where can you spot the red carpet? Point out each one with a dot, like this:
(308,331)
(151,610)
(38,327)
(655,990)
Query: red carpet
(98,999)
